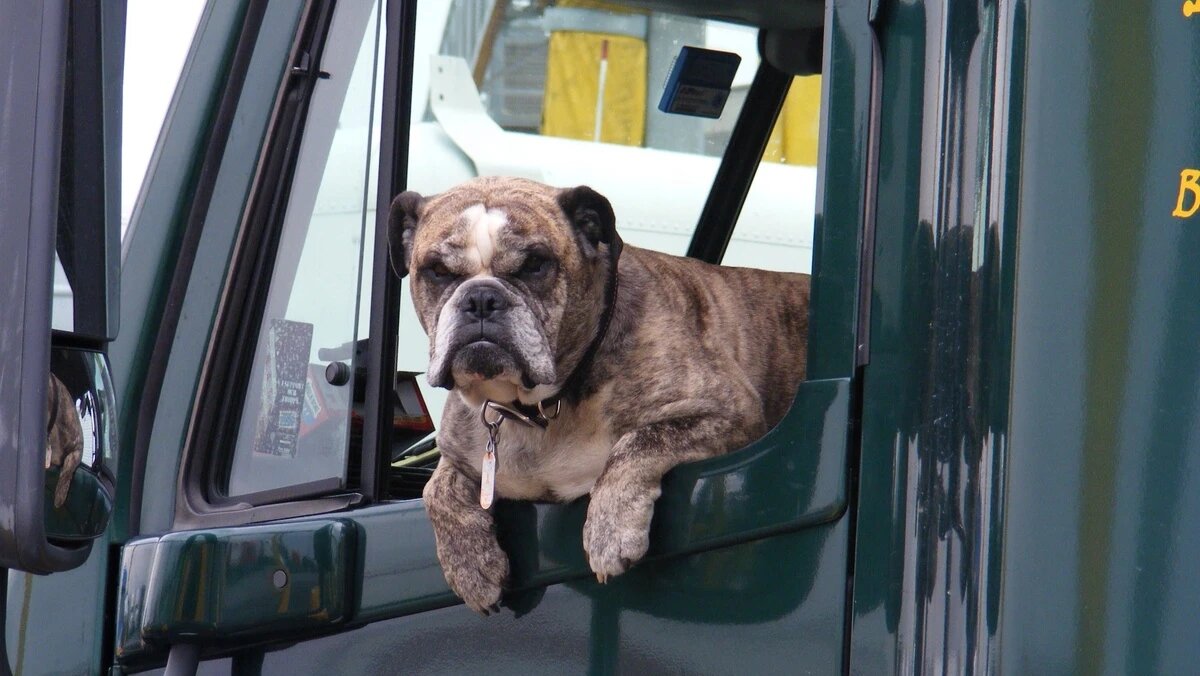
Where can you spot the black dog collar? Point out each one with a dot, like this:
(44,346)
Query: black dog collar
(547,409)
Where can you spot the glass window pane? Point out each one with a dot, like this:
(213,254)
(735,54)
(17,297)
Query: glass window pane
(298,419)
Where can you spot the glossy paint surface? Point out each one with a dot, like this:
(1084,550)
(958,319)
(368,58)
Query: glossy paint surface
(1031,460)
(248,584)
(44,609)
(767,606)
(213,586)
(1102,523)
(843,195)
(935,401)
(775,485)
(1030,454)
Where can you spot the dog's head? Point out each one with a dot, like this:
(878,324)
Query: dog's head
(508,278)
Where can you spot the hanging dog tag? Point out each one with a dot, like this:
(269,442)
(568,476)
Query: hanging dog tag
(487,474)
(487,486)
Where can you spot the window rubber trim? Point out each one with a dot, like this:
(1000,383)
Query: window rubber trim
(223,380)
(186,256)
(383,331)
(863,341)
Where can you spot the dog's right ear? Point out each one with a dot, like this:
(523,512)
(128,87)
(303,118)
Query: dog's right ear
(402,228)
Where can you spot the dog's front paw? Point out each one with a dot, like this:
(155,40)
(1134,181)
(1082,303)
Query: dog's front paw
(616,534)
(475,568)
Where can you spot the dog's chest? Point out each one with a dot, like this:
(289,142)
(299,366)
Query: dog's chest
(559,463)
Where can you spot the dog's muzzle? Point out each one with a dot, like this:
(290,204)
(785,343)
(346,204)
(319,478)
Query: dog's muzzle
(486,330)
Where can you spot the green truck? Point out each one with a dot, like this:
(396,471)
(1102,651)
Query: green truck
(993,465)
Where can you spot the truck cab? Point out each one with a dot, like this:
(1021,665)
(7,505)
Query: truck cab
(989,466)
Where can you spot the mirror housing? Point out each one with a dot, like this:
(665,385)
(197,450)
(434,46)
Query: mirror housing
(32,41)
(64,97)
(84,516)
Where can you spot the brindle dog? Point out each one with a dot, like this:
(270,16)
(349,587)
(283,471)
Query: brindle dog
(64,437)
(657,361)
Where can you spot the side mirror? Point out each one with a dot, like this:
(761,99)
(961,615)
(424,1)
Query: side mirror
(56,494)
(59,199)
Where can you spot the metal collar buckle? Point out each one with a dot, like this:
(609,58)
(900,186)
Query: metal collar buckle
(503,412)
(542,411)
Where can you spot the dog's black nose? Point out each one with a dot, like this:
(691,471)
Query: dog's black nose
(483,302)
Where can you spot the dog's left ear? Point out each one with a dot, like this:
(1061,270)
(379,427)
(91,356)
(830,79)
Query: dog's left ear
(402,228)
(591,214)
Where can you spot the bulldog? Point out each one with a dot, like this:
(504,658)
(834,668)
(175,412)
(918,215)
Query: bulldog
(64,437)
(579,365)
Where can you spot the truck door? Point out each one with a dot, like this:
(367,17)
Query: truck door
(282,432)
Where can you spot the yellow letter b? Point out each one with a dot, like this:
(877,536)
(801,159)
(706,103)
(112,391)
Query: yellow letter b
(1189,182)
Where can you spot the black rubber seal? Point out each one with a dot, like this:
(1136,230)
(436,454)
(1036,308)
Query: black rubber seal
(186,257)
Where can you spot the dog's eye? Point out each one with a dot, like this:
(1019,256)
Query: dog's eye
(438,272)
(535,266)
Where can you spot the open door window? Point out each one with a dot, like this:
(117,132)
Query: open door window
(296,355)
(280,412)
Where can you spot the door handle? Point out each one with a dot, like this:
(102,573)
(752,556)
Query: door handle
(233,585)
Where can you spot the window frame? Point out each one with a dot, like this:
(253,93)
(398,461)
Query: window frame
(384,315)
(278,257)
(250,270)
(223,378)
(213,431)
(384,580)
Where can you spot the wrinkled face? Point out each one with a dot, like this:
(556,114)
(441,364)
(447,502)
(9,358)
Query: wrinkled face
(506,277)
